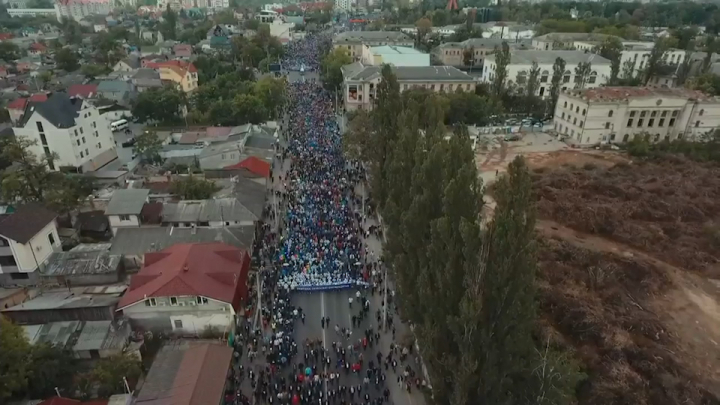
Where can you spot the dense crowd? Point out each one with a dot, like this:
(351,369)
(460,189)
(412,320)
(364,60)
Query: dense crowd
(305,54)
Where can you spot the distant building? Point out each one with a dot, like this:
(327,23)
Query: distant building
(618,114)
(77,9)
(125,207)
(28,236)
(394,55)
(354,40)
(188,288)
(518,70)
(453,53)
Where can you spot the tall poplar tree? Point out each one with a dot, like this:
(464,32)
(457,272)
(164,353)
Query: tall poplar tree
(385,114)
(502,60)
(555,81)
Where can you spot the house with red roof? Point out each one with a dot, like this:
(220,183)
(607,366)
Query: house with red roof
(36,48)
(188,288)
(183,74)
(255,167)
(84,91)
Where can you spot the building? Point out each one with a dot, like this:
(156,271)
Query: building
(118,91)
(70,128)
(86,340)
(128,64)
(125,207)
(28,236)
(360,82)
(393,55)
(77,9)
(67,304)
(84,91)
(31,12)
(212,213)
(618,114)
(353,41)
(182,50)
(187,372)
(638,53)
(454,53)
(568,40)
(183,74)
(79,268)
(188,288)
(518,69)
(145,79)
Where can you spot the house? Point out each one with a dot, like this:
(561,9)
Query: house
(67,304)
(619,114)
(188,288)
(212,213)
(473,50)
(37,48)
(360,81)
(121,92)
(84,267)
(85,340)
(28,236)
(71,128)
(187,372)
(183,74)
(84,91)
(125,207)
(518,70)
(128,64)
(254,166)
(182,50)
(145,79)
(354,40)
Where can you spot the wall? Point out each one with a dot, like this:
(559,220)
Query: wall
(14,299)
(36,252)
(116,222)
(366,92)
(194,318)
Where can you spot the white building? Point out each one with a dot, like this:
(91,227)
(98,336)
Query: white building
(639,53)
(393,55)
(618,114)
(30,12)
(28,236)
(70,128)
(344,4)
(218,4)
(77,9)
(272,6)
(518,70)
(125,208)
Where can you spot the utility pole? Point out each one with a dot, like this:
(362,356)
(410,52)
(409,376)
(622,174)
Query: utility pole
(385,303)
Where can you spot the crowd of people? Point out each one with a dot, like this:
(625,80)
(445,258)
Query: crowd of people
(304,55)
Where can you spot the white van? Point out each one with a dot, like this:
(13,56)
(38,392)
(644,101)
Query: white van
(118,125)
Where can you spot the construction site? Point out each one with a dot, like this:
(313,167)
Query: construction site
(628,272)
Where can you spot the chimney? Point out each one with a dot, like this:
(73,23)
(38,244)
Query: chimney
(185,268)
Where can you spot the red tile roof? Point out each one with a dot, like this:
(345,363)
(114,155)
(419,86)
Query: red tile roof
(214,270)
(5,35)
(37,46)
(174,63)
(38,98)
(17,104)
(82,90)
(253,165)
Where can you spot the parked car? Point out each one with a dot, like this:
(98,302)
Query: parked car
(130,142)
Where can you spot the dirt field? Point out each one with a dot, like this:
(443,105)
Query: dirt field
(629,274)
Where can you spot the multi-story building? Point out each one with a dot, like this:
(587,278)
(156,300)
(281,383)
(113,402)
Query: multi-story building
(453,53)
(77,9)
(28,236)
(518,70)
(639,54)
(361,82)
(183,74)
(568,40)
(353,41)
(69,128)
(393,55)
(618,114)
(344,4)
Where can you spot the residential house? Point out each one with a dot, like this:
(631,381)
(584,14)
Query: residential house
(84,91)
(37,49)
(166,47)
(188,288)
(182,51)
(183,74)
(360,82)
(187,372)
(83,267)
(128,64)
(518,70)
(145,79)
(254,167)
(354,40)
(619,114)
(67,304)
(72,129)
(217,212)
(28,236)
(118,91)
(125,207)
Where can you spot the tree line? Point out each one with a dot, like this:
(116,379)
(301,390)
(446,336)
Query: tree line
(468,288)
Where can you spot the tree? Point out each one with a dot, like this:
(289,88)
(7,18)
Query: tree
(611,49)
(502,60)
(92,71)
(14,358)
(111,372)
(249,109)
(169,26)
(331,66)
(710,47)
(40,4)
(271,92)
(469,56)
(49,368)
(72,32)
(107,50)
(163,105)
(66,60)
(45,77)
(9,51)
(148,145)
(533,82)
(582,74)
(557,77)
(423,26)
(656,59)
(193,188)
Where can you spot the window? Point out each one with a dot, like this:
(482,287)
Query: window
(612,137)
(653,114)
(607,125)
(661,122)
(178,323)
(630,121)
(81,131)
(99,145)
(572,106)
(610,113)
(39,126)
(565,105)
(651,122)
(86,153)
(701,112)
(83,139)
(640,122)
(173,301)
(566,78)
(583,113)
(581,124)
(150,302)
(202,300)
(672,122)
(81,155)
(643,114)
(563,116)
(76,134)
(544,76)
(222,156)
(593,78)
(697,124)
(43,139)
(577,110)
(574,121)
(19,276)
(663,114)
(51,238)
(675,113)
(78,142)
(124,217)
(7,261)
(632,113)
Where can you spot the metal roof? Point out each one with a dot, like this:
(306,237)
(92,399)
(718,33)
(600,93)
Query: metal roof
(360,36)
(64,299)
(571,58)
(127,202)
(138,241)
(221,209)
(81,263)
(412,73)
(103,335)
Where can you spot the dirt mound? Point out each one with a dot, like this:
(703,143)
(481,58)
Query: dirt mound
(671,210)
(603,305)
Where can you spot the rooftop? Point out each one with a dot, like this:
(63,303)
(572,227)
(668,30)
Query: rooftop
(64,299)
(25,222)
(102,335)
(138,241)
(187,372)
(127,202)
(395,50)
(212,210)
(59,109)
(81,263)
(573,36)
(406,73)
(213,270)
(254,165)
(361,36)
(614,94)
(53,333)
(571,58)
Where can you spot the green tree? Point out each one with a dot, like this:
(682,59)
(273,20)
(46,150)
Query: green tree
(9,51)
(148,145)
(582,74)
(14,358)
(40,4)
(250,109)
(611,49)
(469,56)
(107,49)
(424,27)
(193,188)
(656,59)
(271,92)
(556,80)
(92,71)
(502,60)
(163,105)
(71,30)
(169,26)
(710,47)
(109,373)
(50,367)
(331,65)
(67,60)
